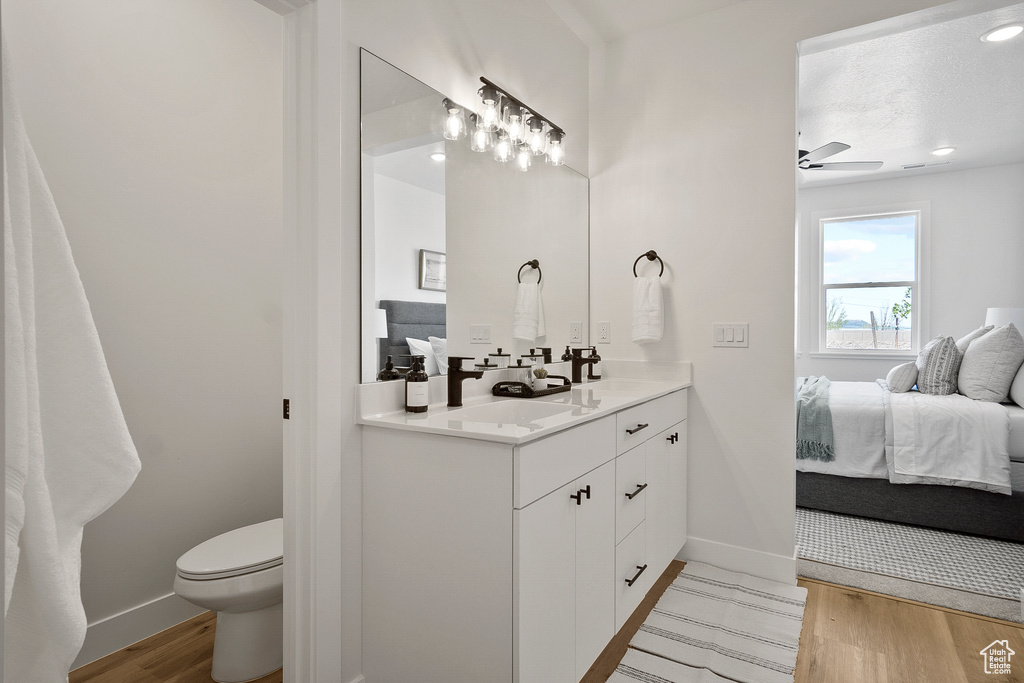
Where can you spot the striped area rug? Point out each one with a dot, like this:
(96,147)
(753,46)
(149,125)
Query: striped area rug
(719,624)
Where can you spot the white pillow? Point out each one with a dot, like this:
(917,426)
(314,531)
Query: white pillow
(902,378)
(963,342)
(937,367)
(991,363)
(418,347)
(1017,388)
(440,347)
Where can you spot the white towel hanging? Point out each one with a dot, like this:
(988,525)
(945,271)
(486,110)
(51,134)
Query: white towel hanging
(528,321)
(648,312)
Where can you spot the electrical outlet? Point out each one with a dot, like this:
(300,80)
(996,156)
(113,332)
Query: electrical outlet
(604,333)
(479,334)
(576,333)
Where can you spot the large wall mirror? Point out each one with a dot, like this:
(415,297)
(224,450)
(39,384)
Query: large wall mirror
(446,231)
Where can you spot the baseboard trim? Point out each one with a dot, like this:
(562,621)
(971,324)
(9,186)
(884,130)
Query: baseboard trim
(738,559)
(117,632)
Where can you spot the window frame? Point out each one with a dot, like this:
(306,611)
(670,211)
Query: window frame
(919,308)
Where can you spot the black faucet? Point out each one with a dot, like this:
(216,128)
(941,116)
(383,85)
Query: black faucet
(455,376)
(578,361)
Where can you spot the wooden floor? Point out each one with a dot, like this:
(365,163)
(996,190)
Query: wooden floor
(849,636)
(181,654)
(855,636)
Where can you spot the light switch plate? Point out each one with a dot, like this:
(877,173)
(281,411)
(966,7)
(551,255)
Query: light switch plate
(604,333)
(479,334)
(734,335)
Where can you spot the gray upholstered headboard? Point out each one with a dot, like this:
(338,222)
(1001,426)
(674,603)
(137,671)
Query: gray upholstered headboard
(415,319)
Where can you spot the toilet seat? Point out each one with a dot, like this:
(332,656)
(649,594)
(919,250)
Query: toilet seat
(242,551)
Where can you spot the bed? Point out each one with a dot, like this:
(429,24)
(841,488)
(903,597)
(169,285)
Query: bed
(942,461)
(409,320)
(857,482)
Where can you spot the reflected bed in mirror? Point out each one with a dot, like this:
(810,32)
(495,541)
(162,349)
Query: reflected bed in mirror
(486,218)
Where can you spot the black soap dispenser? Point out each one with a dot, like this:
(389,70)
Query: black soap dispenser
(388,373)
(594,369)
(417,389)
(568,354)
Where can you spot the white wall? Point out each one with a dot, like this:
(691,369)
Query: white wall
(158,126)
(692,155)
(448,44)
(975,242)
(406,219)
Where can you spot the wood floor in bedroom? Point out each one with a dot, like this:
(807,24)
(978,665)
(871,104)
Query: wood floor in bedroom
(849,636)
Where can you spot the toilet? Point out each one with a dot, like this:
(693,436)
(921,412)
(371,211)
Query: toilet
(240,576)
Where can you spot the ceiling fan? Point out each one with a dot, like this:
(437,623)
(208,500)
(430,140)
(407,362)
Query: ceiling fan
(808,161)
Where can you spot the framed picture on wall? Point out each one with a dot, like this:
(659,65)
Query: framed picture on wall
(433,274)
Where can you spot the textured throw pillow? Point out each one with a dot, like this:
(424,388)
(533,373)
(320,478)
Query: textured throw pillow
(902,378)
(991,363)
(963,342)
(937,367)
(418,347)
(440,347)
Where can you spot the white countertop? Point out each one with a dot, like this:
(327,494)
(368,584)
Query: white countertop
(526,419)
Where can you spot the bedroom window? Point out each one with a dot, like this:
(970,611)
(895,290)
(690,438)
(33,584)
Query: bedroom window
(870,282)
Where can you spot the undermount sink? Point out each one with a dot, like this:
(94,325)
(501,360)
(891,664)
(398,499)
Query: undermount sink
(511,412)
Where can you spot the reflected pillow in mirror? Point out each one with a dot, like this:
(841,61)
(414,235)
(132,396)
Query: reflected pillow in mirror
(440,347)
(991,364)
(418,347)
(937,367)
(963,342)
(902,378)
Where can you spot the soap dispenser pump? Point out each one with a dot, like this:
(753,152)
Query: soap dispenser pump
(568,354)
(388,373)
(417,389)
(594,369)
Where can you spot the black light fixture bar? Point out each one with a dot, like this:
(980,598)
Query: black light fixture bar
(518,102)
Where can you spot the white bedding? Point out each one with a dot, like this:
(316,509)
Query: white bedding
(949,440)
(861,411)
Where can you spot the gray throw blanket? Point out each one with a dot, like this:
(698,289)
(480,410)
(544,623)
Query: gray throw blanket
(813,419)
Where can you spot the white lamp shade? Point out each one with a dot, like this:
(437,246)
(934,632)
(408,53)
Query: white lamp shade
(380,323)
(1002,316)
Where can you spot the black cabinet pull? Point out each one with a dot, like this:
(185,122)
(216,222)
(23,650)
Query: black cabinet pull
(639,488)
(578,496)
(587,491)
(672,438)
(630,582)
(638,428)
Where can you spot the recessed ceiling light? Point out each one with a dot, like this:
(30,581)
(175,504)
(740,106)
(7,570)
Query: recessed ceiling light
(943,151)
(1002,33)
(437,156)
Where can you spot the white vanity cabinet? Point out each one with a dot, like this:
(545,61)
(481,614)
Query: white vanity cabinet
(487,561)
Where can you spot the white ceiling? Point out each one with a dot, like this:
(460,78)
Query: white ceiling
(897,95)
(613,19)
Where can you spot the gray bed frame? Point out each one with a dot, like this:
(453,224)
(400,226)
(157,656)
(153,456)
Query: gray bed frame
(950,508)
(416,319)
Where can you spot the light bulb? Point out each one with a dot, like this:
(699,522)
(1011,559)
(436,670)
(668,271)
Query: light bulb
(515,125)
(535,139)
(489,117)
(1003,33)
(503,147)
(455,122)
(556,153)
(523,158)
(480,139)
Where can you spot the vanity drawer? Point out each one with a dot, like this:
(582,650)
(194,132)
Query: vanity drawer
(635,425)
(540,467)
(630,558)
(630,492)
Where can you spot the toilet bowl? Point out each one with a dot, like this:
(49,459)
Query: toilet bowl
(239,575)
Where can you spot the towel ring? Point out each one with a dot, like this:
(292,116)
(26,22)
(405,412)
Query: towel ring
(651,255)
(535,264)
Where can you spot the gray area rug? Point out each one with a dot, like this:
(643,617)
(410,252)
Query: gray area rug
(718,624)
(968,573)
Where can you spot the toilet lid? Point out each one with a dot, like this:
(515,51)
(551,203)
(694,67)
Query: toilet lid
(241,551)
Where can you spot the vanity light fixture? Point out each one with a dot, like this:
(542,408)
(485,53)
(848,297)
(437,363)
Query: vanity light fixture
(455,122)
(997,35)
(507,128)
(943,151)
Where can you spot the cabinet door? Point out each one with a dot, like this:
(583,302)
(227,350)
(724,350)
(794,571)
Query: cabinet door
(544,642)
(666,495)
(595,566)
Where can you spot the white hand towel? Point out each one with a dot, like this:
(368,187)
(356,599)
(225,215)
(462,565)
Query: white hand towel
(69,454)
(648,311)
(528,322)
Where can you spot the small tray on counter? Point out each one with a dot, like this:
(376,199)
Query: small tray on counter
(523,390)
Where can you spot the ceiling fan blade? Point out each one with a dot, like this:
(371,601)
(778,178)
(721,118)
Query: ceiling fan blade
(824,151)
(845,166)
